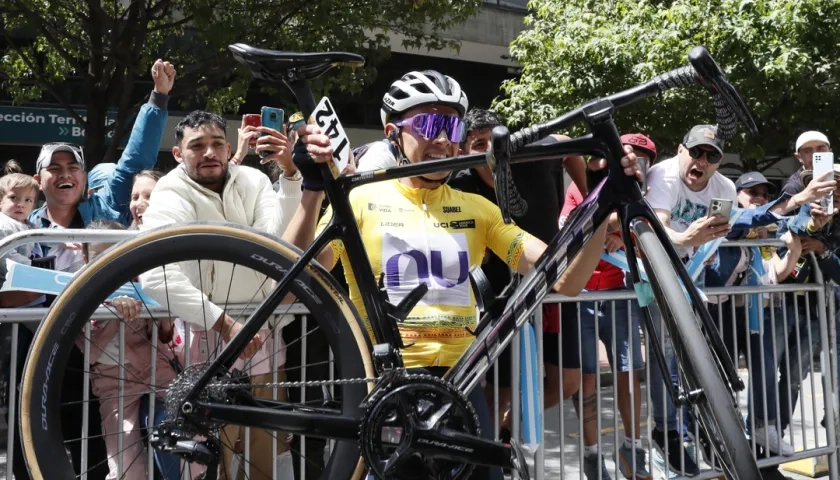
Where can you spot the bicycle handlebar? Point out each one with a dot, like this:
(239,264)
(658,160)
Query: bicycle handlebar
(729,109)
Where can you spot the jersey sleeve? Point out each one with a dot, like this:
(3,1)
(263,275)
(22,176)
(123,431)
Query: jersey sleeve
(507,241)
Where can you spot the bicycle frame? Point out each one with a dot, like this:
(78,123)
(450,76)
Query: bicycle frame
(615,192)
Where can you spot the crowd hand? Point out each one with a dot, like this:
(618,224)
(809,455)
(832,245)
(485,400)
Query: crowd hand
(792,242)
(278,147)
(819,217)
(229,328)
(816,189)
(628,161)
(128,308)
(704,230)
(811,244)
(247,133)
(166,330)
(613,243)
(72,245)
(163,73)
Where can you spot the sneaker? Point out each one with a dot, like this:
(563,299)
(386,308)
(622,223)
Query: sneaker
(591,464)
(675,448)
(768,437)
(625,463)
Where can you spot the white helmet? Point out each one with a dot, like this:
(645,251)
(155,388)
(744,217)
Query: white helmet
(423,88)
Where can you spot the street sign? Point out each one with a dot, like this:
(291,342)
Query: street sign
(36,126)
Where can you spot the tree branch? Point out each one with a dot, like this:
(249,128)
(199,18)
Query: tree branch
(39,22)
(40,79)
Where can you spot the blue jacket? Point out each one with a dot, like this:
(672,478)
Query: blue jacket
(718,273)
(828,235)
(112,200)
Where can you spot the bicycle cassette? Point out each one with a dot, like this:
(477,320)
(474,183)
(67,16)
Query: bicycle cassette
(402,418)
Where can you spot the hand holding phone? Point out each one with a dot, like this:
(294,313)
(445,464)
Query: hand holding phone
(272,118)
(721,208)
(823,163)
(251,120)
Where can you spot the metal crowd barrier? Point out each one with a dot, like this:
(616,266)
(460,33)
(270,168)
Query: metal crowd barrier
(561,449)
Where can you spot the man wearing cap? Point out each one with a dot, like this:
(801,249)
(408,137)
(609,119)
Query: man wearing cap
(807,144)
(679,191)
(61,174)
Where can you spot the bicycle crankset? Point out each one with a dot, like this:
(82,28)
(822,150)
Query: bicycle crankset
(407,427)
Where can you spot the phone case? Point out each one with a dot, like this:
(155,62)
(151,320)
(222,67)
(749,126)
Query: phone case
(272,118)
(720,207)
(823,162)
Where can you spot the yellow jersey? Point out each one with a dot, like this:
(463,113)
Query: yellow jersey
(431,236)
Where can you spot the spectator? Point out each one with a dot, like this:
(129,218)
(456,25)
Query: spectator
(60,173)
(18,196)
(747,266)
(98,176)
(480,124)
(136,374)
(806,145)
(205,187)
(819,230)
(61,166)
(680,189)
(141,192)
(619,329)
(11,166)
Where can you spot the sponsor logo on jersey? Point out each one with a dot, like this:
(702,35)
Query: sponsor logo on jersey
(456,224)
(451,209)
(379,208)
(440,260)
(392,224)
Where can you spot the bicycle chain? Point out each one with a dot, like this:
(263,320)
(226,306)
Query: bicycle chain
(309,383)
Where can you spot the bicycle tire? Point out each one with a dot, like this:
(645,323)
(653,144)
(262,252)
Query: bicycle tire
(719,409)
(44,449)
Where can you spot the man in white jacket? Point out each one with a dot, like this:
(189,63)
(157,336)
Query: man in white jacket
(206,187)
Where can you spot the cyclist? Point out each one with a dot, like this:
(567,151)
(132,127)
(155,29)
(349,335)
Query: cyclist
(535,182)
(411,224)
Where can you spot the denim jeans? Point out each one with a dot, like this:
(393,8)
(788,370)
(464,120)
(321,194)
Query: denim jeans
(803,342)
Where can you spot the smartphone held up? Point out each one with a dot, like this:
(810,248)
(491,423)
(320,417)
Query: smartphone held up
(824,164)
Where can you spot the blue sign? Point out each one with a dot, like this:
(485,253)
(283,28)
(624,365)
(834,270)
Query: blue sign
(36,126)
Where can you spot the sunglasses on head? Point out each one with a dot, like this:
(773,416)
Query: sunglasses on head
(712,156)
(430,125)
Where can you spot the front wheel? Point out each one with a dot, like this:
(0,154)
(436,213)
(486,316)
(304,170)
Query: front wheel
(209,252)
(719,415)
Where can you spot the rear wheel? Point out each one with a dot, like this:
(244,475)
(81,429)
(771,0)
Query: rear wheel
(250,253)
(719,415)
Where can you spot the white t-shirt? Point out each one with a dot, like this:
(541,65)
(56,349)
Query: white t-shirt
(668,192)
(377,156)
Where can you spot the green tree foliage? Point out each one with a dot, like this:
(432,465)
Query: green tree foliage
(782,55)
(111,43)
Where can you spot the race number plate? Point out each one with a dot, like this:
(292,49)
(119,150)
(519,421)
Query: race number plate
(325,117)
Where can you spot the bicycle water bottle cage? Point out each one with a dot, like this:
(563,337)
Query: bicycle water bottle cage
(498,159)
(398,313)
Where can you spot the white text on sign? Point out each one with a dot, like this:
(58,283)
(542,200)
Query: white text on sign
(325,117)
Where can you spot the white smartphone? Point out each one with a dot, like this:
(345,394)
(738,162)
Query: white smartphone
(721,208)
(824,163)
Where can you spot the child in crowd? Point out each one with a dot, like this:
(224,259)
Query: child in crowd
(140,350)
(141,191)
(18,197)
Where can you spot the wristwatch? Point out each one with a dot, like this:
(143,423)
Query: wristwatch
(295,176)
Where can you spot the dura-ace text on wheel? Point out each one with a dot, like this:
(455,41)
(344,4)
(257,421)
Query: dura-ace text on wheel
(44,442)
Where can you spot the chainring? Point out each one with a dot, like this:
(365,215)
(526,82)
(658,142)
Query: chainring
(410,403)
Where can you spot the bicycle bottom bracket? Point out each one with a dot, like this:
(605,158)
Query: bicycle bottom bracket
(404,431)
